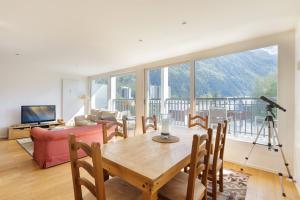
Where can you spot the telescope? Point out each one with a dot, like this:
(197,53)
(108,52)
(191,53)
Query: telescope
(272,104)
(273,139)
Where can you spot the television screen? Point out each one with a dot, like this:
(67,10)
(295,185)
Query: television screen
(34,114)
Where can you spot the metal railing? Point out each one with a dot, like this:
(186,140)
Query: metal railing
(126,106)
(245,114)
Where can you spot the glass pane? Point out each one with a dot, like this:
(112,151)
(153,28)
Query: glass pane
(231,85)
(169,92)
(125,86)
(178,103)
(154,92)
(124,94)
(179,81)
(99,92)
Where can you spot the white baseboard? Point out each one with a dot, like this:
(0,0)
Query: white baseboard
(253,166)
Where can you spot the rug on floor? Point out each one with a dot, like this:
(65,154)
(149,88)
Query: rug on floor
(235,186)
(26,144)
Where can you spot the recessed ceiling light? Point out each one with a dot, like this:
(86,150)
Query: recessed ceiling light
(183,23)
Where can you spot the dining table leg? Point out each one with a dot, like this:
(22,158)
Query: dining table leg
(149,195)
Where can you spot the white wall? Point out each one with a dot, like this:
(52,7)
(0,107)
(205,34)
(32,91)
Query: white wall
(297,109)
(236,150)
(26,86)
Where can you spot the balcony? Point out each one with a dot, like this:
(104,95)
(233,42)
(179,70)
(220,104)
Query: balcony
(246,115)
(126,106)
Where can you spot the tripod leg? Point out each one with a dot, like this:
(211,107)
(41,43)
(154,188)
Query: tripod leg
(281,184)
(269,135)
(253,144)
(273,137)
(286,164)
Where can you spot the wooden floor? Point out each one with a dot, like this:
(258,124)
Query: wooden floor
(20,178)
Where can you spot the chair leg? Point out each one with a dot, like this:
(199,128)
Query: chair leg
(214,186)
(205,195)
(221,188)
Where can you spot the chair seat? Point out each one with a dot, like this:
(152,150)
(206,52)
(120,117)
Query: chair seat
(117,189)
(211,161)
(176,188)
(219,163)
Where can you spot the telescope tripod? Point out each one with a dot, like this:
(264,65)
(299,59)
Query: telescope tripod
(273,143)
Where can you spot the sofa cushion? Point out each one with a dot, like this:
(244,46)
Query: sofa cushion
(94,111)
(109,116)
(85,123)
(79,118)
(93,118)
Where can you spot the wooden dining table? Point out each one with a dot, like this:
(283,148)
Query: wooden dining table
(146,164)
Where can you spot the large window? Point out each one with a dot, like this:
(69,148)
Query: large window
(225,87)
(230,85)
(116,93)
(169,91)
(245,74)
(123,89)
(154,91)
(99,93)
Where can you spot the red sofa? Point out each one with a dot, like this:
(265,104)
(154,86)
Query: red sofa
(51,146)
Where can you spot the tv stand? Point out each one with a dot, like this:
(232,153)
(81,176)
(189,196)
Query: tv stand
(23,130)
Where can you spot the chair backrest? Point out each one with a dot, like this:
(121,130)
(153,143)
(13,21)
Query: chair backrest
(219,144)
(108,135)
(217,115)
(224,133)
(95,170)
(203,121)
(200,151)
(149,122)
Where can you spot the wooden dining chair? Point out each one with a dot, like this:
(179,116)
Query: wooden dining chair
(202,121)
(149,122)
(187,186)
(216,160)
(108,125)
(114,188)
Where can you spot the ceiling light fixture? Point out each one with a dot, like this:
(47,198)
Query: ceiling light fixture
(140,40)
(183,23)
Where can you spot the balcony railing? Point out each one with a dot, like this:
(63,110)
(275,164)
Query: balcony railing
(126,106)
(246,115)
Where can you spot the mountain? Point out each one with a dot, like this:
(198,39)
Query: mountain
(238,74)
(249,73)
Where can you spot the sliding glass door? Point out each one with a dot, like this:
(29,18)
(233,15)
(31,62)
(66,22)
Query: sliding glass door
(230,86)
(115,93)
(222,87)
(99,93)
(168,91)
(123,90)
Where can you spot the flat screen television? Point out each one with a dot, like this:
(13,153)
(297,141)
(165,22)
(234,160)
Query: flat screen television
(38,114)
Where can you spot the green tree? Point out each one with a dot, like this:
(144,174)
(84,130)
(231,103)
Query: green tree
(265,86)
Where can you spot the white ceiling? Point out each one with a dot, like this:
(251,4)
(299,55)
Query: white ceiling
(87,37)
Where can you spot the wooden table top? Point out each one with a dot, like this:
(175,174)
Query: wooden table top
(148,158)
